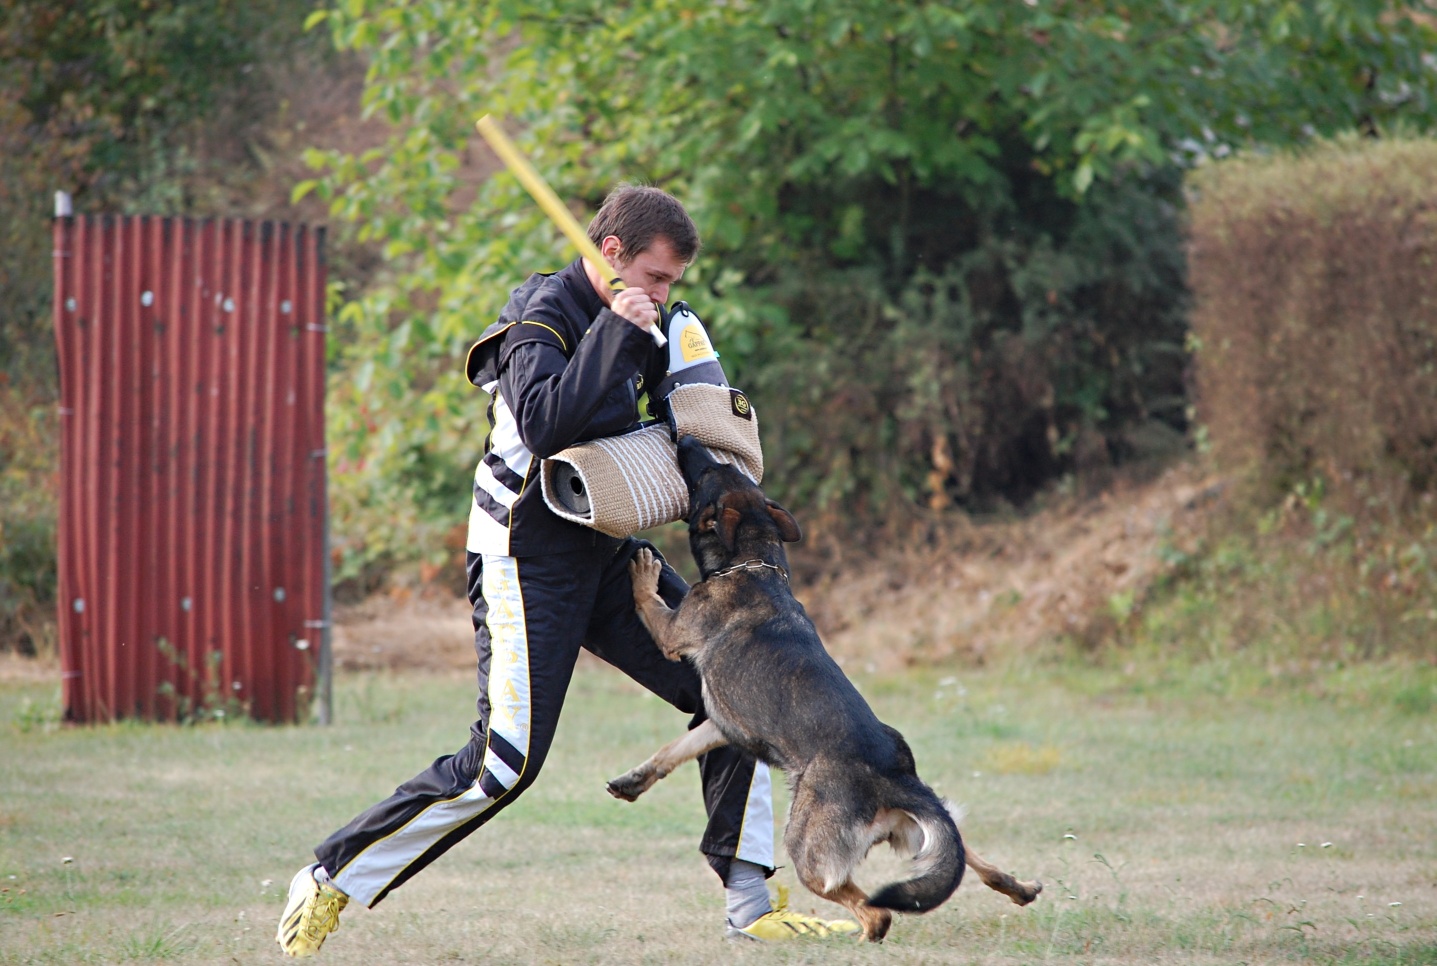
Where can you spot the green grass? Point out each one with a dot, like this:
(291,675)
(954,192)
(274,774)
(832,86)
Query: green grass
(1194,816)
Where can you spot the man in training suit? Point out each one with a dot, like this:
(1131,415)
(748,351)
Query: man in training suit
(564,364)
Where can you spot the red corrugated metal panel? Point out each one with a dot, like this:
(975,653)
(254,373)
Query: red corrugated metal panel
(192,535)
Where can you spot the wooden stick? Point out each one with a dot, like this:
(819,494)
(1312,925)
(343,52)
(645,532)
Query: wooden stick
(560,215)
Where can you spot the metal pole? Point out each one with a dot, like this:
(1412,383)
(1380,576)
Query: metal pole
(324,683)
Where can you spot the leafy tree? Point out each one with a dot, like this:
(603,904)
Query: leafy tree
(942,237)
(130,105)
(106,99)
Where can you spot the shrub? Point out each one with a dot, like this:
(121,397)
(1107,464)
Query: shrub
(1315,319)
(1026,354)
(1315,328)
(939,238)
(27,524)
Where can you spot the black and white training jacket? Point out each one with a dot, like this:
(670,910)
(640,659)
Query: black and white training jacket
(560,369)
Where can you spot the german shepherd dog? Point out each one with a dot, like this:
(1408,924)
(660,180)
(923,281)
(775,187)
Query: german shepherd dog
(771,688)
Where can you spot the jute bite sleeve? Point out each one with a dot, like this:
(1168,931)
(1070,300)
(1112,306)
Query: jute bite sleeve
(621,485)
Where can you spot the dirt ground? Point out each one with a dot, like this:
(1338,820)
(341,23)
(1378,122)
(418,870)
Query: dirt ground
(404,630)
(1064,571)
(1067,571)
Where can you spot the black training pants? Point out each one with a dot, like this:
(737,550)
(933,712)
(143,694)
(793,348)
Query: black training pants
(531,616)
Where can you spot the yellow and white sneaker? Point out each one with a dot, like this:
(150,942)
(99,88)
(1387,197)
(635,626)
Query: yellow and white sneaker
(310,915)
(783,924)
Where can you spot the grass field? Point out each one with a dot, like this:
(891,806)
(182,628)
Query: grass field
(1208,815)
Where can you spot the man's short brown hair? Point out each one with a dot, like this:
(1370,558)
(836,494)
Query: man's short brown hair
(637,214)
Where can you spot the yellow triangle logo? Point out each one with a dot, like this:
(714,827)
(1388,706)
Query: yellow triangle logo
(695,344)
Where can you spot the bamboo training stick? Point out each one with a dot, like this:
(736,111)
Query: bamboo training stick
(562,218)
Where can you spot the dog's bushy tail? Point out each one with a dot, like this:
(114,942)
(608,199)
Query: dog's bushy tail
(940,859)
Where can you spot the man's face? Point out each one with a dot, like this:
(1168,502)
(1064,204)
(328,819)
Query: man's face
(653,270)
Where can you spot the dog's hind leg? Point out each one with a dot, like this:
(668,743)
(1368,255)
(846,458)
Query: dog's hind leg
(996,879)
(826,840)
(819,864)
(701,740)
(875,922)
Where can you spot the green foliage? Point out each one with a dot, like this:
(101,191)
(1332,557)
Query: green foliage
(986,379)
(109,100)
(43,714)
(941,238)
(27,524)
(1295,584)
(215,702)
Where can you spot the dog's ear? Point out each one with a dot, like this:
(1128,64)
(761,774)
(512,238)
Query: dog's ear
(787,526)
(728,520)
(705,521)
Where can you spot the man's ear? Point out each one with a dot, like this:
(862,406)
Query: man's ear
(612,248)
(788,529)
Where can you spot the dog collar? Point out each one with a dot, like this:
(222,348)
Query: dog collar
(750,565)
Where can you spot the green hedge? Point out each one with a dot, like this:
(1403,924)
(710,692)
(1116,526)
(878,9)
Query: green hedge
(1315,319)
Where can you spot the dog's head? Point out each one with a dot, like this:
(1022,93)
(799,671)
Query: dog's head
(729,517)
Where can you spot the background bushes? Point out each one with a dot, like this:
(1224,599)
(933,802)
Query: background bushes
(1031,342)
(1315,284)
(941,240)
(1315,327)
(943,247)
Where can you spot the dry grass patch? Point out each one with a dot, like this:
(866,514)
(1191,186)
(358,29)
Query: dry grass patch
(1022,758)
(1175,825)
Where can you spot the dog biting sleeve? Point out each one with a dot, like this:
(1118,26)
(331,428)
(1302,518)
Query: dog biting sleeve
(623,484)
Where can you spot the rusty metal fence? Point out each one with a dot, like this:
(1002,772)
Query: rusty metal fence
(193,570)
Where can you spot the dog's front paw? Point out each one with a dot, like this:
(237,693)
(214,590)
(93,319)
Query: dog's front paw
(644,571)
(630,785)
(1025,892)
